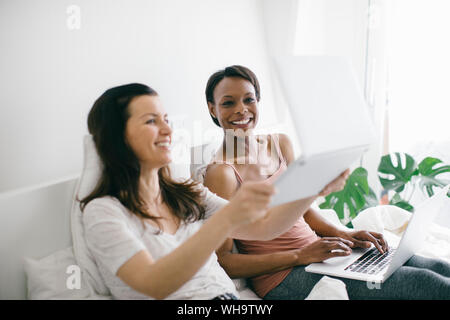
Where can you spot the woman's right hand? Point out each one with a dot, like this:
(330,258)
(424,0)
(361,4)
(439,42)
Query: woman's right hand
(323,249)
(250,202)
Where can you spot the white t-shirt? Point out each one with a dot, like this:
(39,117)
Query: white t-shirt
(114,234)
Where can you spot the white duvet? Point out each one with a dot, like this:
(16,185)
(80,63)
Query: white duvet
(55,276)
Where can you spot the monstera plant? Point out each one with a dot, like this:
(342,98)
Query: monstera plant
(398,172)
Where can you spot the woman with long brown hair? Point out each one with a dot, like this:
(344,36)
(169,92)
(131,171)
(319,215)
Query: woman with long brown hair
(151,236)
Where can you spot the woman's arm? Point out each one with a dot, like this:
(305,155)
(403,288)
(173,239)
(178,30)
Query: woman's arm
(239,265)
(160,278)
(286,148)
(334,243)
(284,216)
(321,225)
(221,180)
(278,219)
(108,235)
(361,238)
(281,218)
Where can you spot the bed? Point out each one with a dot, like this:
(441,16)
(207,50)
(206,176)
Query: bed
(40,239)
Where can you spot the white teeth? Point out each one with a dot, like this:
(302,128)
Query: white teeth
(241,122)
(163,144)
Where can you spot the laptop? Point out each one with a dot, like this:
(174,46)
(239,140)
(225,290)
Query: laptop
(371,265)
(331,120)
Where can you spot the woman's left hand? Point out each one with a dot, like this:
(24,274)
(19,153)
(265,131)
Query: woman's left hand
(336,185)
(364,239)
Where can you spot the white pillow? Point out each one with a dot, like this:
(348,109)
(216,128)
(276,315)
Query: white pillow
(381,218)
(55,277)
(91,173)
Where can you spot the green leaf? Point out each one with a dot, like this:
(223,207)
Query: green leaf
(349,225)
(401,175)
(371,200)
(399,202)
(428,172)
(356,195)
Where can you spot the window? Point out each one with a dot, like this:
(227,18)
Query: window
(419,77)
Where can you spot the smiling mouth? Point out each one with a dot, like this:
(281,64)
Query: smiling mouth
(163,144)
(242,122)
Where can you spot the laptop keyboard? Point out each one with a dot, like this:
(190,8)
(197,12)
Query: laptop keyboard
(371,262)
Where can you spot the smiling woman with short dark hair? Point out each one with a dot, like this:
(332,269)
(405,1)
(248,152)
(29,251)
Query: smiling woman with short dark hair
(276,268)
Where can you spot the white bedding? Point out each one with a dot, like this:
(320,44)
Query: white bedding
(55,277)
(47,277)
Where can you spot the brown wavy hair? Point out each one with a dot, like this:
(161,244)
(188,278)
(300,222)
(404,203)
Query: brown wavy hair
(121,169)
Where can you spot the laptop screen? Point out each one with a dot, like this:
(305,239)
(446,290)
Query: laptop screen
(325,101)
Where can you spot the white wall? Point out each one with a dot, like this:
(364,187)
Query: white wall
(51,74)
(280,22)
(352,29)
(333,27)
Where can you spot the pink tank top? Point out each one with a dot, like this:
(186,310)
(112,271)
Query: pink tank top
(300,235)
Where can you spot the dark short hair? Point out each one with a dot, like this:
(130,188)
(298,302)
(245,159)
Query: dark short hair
(236,71)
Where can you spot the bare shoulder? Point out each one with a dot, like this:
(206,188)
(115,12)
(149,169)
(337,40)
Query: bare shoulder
(221,179)
(286,147)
